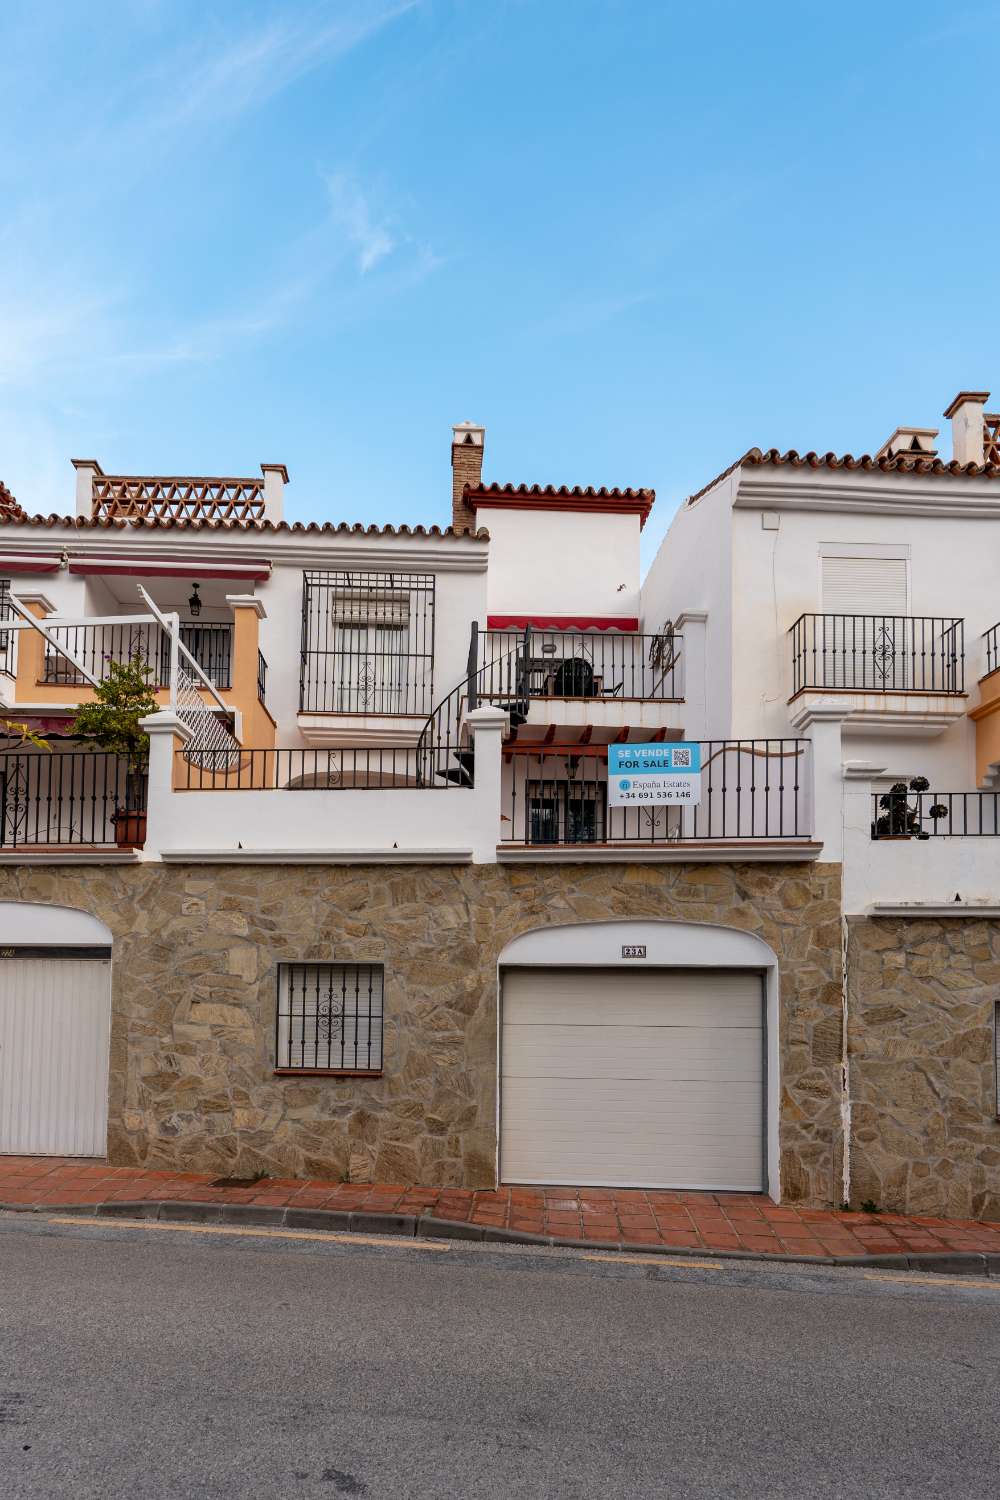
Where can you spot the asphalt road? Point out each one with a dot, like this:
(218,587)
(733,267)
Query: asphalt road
(167,1363)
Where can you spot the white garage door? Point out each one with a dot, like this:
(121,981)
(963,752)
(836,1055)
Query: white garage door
(55,1019)
(614,1078)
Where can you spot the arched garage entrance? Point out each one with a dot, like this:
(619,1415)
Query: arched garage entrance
(55,1031)
(639,1054)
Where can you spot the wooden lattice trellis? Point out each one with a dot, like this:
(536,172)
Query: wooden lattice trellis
(991,437)
(233,500)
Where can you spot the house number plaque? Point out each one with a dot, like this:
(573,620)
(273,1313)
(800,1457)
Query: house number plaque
(633,950)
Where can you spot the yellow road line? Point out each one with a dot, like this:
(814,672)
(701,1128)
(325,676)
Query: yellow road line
(657,1260)
(908,1278)
(396,1242)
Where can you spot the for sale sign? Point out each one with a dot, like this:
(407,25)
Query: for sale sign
(647,775)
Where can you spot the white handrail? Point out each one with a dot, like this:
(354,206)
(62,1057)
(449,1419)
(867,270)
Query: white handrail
(36,624)
(172,625)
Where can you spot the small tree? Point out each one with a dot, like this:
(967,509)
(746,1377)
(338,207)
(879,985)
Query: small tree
(112,722)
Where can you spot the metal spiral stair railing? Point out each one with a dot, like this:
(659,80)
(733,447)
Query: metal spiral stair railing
(444,750)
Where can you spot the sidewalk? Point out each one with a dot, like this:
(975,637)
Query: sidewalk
(683,1221)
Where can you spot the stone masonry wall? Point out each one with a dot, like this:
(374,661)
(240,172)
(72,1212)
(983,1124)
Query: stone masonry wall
(921,998)
(194,996)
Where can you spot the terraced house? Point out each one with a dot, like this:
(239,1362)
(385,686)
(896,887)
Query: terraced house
(368,910)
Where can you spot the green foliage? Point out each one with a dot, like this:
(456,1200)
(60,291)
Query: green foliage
(26,735)
(112,723)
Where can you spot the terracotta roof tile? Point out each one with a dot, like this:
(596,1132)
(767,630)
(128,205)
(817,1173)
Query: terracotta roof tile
(183,523)
(560,497)
(8,505)
(901,464)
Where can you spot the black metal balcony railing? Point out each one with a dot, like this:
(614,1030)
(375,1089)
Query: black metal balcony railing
(64,798)
(367,643)
(373,768)
(878,653)
(536,663)
(94,646)
(750,789)
(8,638)
(922,815)
(261,676)
(991,642)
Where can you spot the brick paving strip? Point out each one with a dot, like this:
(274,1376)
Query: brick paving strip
(736,1224)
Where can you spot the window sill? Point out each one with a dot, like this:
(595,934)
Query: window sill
(327,1072)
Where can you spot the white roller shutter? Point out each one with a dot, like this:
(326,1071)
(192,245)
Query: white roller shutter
(55,1020)
(617,1078)
(864,585)
(867,644)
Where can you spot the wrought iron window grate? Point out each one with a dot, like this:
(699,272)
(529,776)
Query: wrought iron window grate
(367,642)
(330,1017)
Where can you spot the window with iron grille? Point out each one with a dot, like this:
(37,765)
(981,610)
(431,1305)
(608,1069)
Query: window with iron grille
(367,642)
(8,666)
(330,1018)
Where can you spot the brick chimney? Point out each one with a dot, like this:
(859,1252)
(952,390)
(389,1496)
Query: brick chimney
(467,443)
(967,426)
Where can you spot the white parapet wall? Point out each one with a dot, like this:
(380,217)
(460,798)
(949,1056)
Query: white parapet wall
(923,874)
(442,823)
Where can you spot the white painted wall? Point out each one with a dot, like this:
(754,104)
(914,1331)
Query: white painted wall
(562,562)
(776,578)
(692,571)
(459,566)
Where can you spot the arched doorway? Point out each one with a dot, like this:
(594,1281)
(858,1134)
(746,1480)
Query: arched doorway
(639,1054)
(55,1031)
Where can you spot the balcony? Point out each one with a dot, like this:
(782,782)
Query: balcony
(64,802)
(367,659)
(754,797)
(599,682)
(95,645)
(898,673)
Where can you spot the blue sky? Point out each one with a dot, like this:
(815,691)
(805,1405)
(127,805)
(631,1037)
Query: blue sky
(632,237)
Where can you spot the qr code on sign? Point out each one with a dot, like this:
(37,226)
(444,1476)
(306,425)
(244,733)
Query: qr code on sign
(681,759)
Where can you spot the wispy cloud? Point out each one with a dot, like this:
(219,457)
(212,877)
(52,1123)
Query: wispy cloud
(367,232)
(263,60)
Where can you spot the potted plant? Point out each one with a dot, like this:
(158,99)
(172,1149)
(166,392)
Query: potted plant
(112,724)
(901,819)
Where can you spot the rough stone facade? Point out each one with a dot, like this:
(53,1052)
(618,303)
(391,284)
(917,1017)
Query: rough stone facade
(921,998)
(196,951)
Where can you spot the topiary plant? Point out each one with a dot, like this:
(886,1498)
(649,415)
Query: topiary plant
(902,819)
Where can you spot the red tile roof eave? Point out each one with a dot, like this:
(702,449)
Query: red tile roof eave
(185,523)
(934,467)
(560,498)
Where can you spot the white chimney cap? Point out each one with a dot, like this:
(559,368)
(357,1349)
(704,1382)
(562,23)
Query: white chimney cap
(468,434)
(976,398)
(912,442)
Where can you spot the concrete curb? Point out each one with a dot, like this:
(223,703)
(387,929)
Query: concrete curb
(426,1226)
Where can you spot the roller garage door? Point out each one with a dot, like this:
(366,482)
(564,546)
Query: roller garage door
(622,1078)
(55,1021)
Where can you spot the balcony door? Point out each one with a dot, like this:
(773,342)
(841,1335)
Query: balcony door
(864,634)
(370,668)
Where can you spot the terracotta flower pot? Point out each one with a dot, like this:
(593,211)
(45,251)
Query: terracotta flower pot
(130,829)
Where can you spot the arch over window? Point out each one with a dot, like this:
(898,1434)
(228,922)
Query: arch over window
(38,924)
